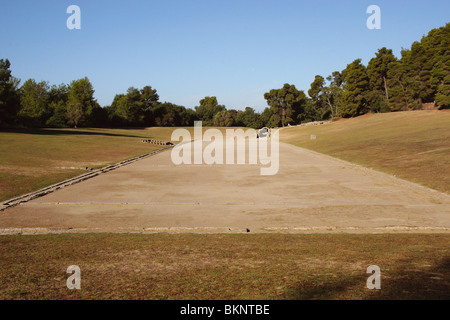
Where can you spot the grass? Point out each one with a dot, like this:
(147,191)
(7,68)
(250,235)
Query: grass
(260,266)
(411,145)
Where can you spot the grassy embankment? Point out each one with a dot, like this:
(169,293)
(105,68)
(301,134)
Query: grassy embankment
(411,145)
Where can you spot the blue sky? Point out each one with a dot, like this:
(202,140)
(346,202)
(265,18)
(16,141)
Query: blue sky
(232,49)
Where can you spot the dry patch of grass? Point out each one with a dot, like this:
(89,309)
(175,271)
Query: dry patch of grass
(411,145)
(189,266)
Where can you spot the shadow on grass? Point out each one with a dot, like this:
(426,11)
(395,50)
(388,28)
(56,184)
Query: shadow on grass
(81,131)
(431,283)
(404,283)
(325,288)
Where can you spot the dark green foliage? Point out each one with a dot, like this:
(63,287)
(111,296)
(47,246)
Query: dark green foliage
(9,96)
(377,71)
(207,109)
(287,105)
(334,92)
(265,117)
(134,108)
(34,103)
(356,87)
(324,99)
(81,105)
(422,74)
(59,115)
(171,115)
(438,41)
(401,96)
(249,118)
(224,118)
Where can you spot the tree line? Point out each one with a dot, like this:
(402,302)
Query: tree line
(386,84)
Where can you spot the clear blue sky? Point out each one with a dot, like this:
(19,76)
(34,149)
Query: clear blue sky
(232,49)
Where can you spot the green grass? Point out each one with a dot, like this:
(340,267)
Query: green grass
(411,145)
(260,266)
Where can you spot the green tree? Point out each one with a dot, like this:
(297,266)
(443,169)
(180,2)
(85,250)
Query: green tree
(170,115)
(356,86)
(150,99)
(135,108)
(400,83)
(422,73)
(320,107)
(9,97)
(59,115)
(438,43)
(265,117)
(58,96)
(316,88)
(420,65)
(80,102)
(188,116)
(207,109)
(131,108)
(287,105)
(224,118)
(249,118)
(377,71)
(333,92)
(441,74)
(34,103)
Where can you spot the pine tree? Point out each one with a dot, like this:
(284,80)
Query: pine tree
(9,97)
(356,86)
(377,71)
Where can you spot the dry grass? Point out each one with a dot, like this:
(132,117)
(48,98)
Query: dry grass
(188,266)
(411,145)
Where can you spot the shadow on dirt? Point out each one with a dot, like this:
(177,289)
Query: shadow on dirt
(81,131)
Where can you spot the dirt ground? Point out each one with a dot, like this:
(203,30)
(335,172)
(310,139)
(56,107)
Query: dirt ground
(312,193)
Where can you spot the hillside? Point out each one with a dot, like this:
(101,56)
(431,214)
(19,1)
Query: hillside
(411,145)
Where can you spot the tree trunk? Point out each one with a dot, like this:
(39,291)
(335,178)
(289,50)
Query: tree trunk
(331,107)
(386,89)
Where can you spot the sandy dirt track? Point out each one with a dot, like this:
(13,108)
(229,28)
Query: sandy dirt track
(312,193)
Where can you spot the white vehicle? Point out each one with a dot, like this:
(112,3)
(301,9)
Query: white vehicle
(264,132)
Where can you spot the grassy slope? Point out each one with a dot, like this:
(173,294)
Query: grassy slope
(411,145)
(188,266)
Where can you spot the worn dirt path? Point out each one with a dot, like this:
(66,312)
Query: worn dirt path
(312,193)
